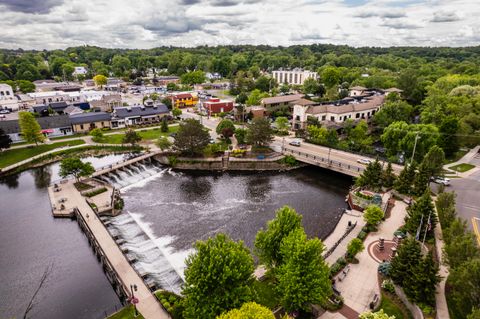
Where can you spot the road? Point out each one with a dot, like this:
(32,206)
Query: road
(209,122)
(467,201)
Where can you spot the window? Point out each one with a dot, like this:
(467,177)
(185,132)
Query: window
(332,118)
(297,118)
(357,115)
(324,117)
(81,126)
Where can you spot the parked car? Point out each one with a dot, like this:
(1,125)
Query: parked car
(4,111)
(441,180)
(365,161)
(295,143)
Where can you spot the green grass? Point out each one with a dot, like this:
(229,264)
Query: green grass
(265,291)
(462,167)
(11,157)
(457,156)
(125,313)
(391,307)
(151,134)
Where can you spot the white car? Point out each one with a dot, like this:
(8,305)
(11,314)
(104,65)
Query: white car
(365,161)
(295,143)
(442,180)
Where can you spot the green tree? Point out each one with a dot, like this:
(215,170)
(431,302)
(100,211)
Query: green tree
(445,205)
(465,283)
(460,244)
(131,137)
(404,182)
(405,262)
(475,314)
(372,215)
(354,247)
(330,76)
(264,84)
(303,276)
(259,132)
(311,86)
(284,88)
(176,112)
(75,167)
(167,102)
(121,65)
(448,139)
(224,124)
(164,127)
(163,143)
(433,161)
(268,241)
(194,77)
(375,315)
(281,123)
(29,128)
(388,177)
(393,112)
(240,135)
(25,86)
(218,277)
(422,180)
(358,138)
(421,216)
(191,138)
(255,97)
(96,134)
(5,140)
(371,177)
(249,310)
(420,286)
(100,80)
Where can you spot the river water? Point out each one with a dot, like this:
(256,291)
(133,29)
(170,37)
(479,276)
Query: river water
(165,213)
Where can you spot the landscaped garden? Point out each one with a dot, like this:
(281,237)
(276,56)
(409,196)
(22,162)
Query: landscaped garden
(152,134)
(462,167)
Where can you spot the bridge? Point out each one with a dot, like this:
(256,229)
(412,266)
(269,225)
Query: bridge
(328,158)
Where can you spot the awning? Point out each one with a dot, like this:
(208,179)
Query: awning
(47,131)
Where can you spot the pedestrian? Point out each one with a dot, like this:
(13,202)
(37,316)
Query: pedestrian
(87,216)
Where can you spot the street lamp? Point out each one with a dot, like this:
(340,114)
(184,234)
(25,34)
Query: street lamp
(414,146)
(134,300)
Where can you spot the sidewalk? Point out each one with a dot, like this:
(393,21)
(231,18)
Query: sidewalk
(440,299)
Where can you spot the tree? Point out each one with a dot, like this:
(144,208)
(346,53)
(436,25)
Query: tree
(448,139)
(281,123)
(172,87)
(460,244)
(371,177)
(25,86)
(388,177)
(163,143)
(433,161)
(240,135)
(268,241)
(421,216)
(176,112)
(393,112)
(255,97)
(303,277)
(375,315)
(100,80)
(372,215)
(96,134)
(404,182)
(330,76)
(354,247)
(259,132)
(421,180)
(465,281)
(358,137)
(225,124)
(5,140)
(403,264)
(194,77)
(475,314)
(445,205)
(192,137)
(167,102)
(421,284)
(164,127)
(29,127)
(218,277)
(131,137)
(249,310)
(264,84)
(311,86)
(75,167)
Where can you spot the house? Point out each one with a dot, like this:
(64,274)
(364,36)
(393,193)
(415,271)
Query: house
(72,109)
(182,100)
(58,107)
(280,102)
(356,91)
(164,80)
(52,126)
(138,115)
(25,101)
(85,122)
(7,99)
(355,108)
(213,76)
(79,70)
(393,90)
(296,76)
(107,102)
(215,106)
(46,97)
(47,85)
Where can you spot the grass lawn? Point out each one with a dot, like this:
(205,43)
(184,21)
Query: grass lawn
(125,313)
(390,307)
(462,167)
(458,155)
(266,295)
(10,157)
(152,134)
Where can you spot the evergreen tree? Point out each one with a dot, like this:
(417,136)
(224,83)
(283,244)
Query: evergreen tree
(445,204)
(403,264)
(421,180)
(388,177)
(29,127)
(465,283)
(371,177)
(192,137)
(433,161)
(404,182)
(303,278)
(422,207)
(460,244)
(164,127)
(421,284)
(5,140)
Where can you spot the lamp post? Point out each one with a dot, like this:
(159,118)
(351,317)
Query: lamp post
(414,147)
(134,300)
(283,144)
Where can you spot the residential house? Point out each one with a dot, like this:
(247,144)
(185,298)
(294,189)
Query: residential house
(52,126)
(393,90)
(79,70)
(138,115)
(25,101)
(164,80)
(296,76)
(355,108)
(107,102)
(85,122)
(215,106)
(7,99)
(280,102)
(357,91)
(182,100)
(72,109)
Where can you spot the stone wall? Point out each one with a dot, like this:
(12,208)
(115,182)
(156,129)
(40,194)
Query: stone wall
(414,309)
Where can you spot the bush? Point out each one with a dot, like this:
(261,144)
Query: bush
(173,160)
(362,235)
(96,192)
(288,160)
(238,153)
(172,303)
(337,266)
(119,204)
(387,284)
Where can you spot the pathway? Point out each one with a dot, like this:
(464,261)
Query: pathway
(148,304)
(440,299)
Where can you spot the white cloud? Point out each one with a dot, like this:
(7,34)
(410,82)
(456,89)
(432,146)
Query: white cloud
(150,23)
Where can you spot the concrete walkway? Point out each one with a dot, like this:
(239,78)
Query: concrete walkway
(148,304)
(440,299)
(472,157)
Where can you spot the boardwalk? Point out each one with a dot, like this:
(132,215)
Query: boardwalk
(148,305)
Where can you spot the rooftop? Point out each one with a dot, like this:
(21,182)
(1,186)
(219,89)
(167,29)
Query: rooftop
(89,117)
(281,99)
(132,111)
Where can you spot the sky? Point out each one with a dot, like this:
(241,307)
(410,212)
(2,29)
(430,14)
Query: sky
(57,24)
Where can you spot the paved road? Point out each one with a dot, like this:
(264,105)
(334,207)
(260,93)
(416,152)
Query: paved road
(468,200)
(210,123)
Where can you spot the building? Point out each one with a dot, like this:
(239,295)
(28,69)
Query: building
(72,109)
(7,99)
(164,80)
(215,106)
(46,97)
(280,102)
(52,126)
(213,76)
(107,102)
(357,91)
(182,100)
(138,115)
(355,108)
(393,90)
(79,70)
(296,76)
(85,122)
(47,85)
(25,101)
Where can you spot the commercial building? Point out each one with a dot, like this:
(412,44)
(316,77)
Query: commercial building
(138,115)
(280,102)
(7,99)
(296,76)
(85,122)
(215,106)
(182,100)
(52,126)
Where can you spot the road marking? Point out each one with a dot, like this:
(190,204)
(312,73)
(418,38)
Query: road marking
(470,207)
(475,228)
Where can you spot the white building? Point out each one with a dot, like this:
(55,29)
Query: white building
(295,76)
(358,108)
(79,70)
(53,96)
(7,99)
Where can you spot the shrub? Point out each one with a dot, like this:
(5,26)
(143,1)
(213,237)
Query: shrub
(387,284)
(173,160)
(362,235)
(337,266)
(288,160)
(96,192)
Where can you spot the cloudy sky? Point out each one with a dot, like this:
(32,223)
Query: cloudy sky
(50,24)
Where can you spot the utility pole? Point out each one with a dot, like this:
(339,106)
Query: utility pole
(415,146)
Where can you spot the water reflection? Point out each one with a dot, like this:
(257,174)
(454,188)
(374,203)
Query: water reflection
(259,187)
(194,189)
(10,181)
(42,176)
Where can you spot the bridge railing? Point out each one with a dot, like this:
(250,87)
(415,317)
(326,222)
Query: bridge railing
(324,162)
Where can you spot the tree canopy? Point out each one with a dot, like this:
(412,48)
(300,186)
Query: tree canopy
(75,167)
(29,127)
(249,310)
(191,138)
